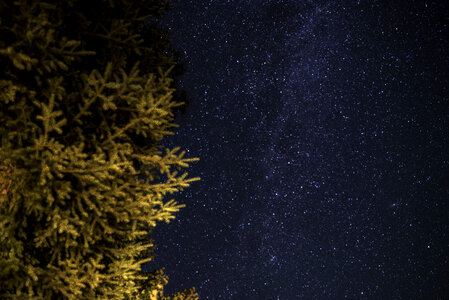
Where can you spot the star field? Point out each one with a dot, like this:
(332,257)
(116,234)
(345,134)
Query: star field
(322,129)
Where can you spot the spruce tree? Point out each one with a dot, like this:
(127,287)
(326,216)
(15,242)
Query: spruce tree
(85,102)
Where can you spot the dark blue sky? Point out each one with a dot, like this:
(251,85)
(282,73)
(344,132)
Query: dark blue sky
(322,129)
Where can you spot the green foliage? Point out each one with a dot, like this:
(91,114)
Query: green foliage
(84,102)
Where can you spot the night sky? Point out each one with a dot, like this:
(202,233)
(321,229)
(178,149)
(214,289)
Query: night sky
(323,133)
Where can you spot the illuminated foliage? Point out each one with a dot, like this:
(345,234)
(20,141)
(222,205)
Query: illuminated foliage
(84,103)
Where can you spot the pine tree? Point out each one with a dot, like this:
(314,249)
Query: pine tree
(85,102)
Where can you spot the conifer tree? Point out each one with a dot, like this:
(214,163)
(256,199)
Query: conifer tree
(84,103)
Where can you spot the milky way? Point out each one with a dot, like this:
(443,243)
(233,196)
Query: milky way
(322,129)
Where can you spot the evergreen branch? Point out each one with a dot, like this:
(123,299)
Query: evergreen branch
(73,53)
(125,42)
(93,170)
(84,109)
(119,132)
